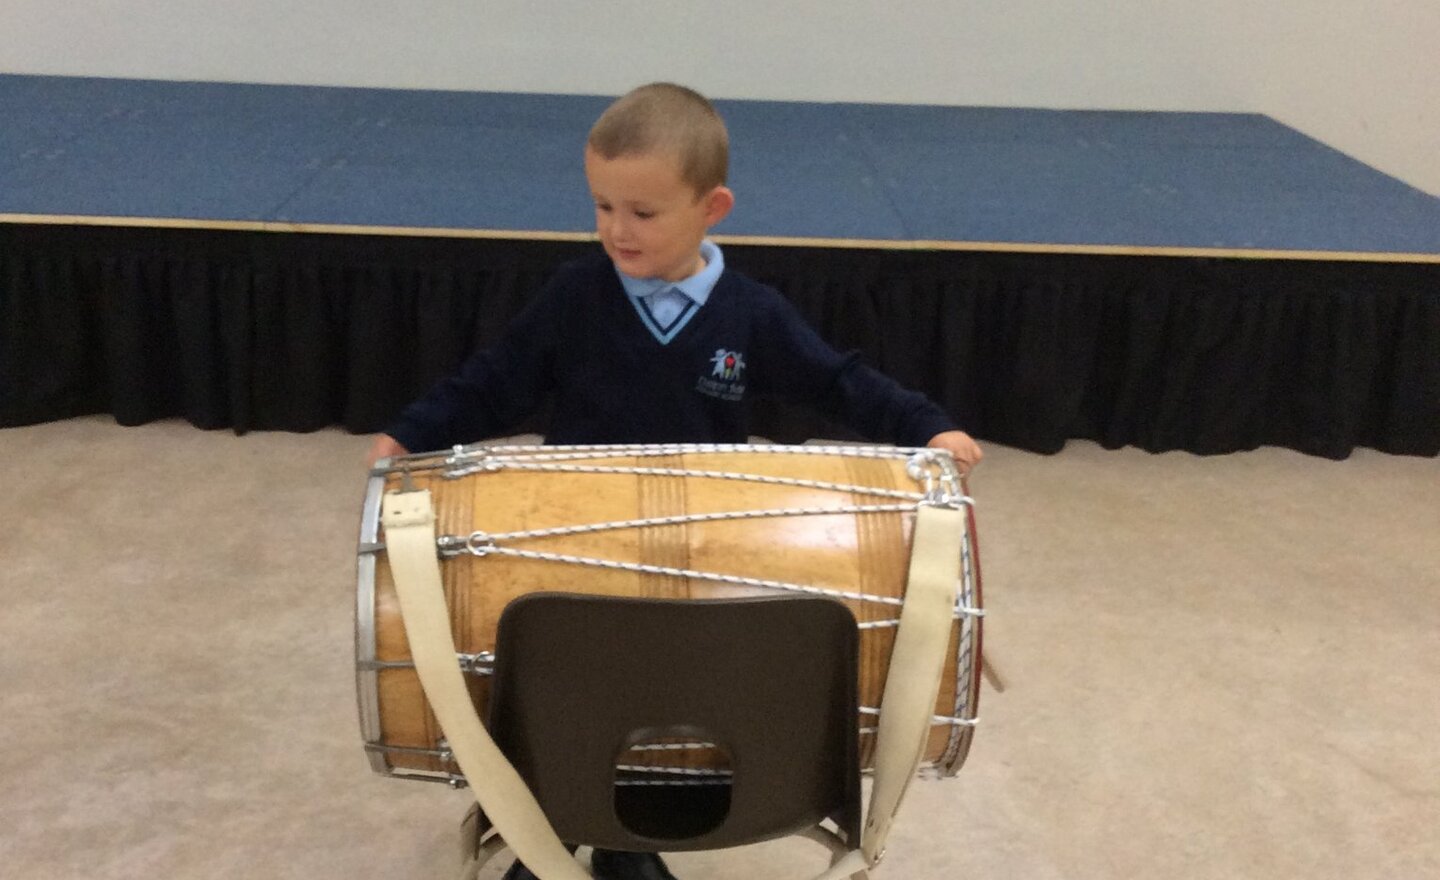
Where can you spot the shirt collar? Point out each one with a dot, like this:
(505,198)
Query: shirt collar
(697,287)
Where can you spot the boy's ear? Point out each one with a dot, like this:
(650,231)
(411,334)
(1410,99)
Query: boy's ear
(718,204)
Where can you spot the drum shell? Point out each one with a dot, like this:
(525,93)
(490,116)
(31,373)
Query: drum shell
(860,553)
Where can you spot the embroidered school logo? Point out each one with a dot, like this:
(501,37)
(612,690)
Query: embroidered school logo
(728,364)
(724,379)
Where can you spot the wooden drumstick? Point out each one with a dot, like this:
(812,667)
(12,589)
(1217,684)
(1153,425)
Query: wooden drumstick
(991,673)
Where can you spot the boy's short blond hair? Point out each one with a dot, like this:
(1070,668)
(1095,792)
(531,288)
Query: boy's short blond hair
(664,117)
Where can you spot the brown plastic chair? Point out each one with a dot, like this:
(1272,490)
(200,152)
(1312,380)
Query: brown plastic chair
(772,681)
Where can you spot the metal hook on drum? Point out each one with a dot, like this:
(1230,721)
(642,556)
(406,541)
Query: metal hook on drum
(480,544)
(937,473)
(463,461)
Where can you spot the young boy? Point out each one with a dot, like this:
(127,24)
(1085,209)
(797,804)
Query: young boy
(656,341)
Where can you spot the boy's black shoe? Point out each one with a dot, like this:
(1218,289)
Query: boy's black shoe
(518,871)
(610,865)
(614,865)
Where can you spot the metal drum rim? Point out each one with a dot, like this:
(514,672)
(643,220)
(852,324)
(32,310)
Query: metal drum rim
(367,679)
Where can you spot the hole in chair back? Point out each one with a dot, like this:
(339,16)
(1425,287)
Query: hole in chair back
(672,783)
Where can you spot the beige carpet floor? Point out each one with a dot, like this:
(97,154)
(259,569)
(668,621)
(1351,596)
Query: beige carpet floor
(1219,668)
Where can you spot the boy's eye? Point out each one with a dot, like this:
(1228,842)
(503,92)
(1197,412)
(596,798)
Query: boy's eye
(601,206)
(644,215)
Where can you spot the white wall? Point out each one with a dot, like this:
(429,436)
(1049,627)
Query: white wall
(1363,77)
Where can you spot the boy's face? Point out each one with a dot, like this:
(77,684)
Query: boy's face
(650,220)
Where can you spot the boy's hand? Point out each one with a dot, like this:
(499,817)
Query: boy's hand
(959,444)
(384,447)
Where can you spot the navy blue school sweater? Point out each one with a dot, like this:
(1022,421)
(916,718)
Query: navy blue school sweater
(581,344)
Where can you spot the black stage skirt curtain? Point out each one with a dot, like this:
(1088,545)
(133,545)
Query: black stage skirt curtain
(296,332)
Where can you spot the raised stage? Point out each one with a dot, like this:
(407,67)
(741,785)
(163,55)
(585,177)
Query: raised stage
(286,258)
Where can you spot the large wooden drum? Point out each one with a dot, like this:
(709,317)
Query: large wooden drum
(659,521)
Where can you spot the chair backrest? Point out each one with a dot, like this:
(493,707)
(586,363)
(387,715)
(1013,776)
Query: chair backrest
(578,679)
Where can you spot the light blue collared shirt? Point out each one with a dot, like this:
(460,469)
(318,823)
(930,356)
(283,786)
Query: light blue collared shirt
(665,307)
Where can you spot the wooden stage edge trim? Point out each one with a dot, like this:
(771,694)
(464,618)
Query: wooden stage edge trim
(739,240)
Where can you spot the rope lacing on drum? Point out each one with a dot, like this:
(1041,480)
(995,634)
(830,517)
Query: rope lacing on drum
(726,780)
(965,660)
(480,543)
(678,771)
(564,453)
(493,465)
(682,519)
(484,548)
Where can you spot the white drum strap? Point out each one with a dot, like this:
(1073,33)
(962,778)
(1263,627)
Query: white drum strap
(409,520)
(916,666)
